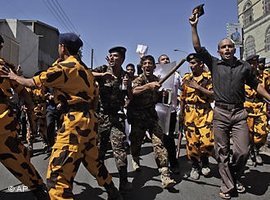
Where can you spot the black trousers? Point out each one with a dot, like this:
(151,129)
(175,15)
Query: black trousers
(169,142)
(53,118)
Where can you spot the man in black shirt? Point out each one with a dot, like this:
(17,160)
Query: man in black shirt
(229,76)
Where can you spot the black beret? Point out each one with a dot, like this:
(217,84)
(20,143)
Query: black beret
(1,39)
(120,50)
(252,58)
(71,41)
(262,60)
(195,56)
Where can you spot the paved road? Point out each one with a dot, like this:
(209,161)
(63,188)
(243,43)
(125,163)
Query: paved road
(147,185)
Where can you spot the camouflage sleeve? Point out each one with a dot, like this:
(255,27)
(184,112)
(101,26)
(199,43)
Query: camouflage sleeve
(53,77)
(137,82)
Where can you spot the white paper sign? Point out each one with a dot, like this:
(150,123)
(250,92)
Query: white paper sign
(141,49)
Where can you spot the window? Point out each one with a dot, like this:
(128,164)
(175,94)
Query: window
(250,46)
(248,14)
(267,39)
(266,6)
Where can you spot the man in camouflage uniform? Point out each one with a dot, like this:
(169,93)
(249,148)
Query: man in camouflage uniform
(76,91)
(39,112)
(196,114)
(111,116)
(143,117)
(257,113)
(13,154)
(264,69)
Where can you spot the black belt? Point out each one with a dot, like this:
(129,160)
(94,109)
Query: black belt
(226,106)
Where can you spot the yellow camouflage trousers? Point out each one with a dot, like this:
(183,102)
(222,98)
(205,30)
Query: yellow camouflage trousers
(198,131)
(257,122)
(15,157)
(258,129)
(75,144)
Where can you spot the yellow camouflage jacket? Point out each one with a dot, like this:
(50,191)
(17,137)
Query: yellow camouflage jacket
(192,96)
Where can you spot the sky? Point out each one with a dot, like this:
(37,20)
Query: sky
(162,25)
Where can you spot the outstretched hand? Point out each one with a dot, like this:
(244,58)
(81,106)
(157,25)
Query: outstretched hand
(194,19)
(4,71)
(7,73)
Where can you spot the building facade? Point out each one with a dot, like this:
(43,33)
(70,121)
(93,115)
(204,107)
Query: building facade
(29,43)
(254,16)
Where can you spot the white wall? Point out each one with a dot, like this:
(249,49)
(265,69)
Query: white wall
(21,46)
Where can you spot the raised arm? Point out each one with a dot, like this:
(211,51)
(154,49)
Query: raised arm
(193,20)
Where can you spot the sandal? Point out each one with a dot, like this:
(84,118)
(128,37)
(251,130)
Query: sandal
(239,187)
(224,195)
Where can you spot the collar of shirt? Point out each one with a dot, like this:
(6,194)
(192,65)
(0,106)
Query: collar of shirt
(236,62)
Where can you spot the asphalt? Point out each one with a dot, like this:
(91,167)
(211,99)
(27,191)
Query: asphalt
(146,184)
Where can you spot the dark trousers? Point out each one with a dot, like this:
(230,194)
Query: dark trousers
(169,143)
(23,121)
(226,124)
(52,118)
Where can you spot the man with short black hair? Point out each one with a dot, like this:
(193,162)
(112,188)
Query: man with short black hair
(143,117)
(196,114)
(168,139)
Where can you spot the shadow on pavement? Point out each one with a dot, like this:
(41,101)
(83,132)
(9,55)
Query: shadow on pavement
(143,193)
(257,182)
(16,195)
(88,192)
(140,189)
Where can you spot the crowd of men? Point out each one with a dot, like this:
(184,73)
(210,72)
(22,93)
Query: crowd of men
(91,110)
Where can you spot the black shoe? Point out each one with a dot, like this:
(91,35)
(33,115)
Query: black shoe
(113,193)
(125,187)
(175,170)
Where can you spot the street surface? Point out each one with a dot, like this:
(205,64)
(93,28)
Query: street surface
(147,184)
